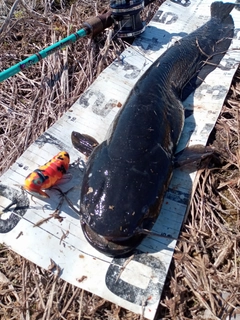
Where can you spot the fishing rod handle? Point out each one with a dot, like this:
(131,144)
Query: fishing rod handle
(96,25)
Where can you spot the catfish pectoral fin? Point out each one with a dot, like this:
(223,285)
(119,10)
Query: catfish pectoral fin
(192,154)
(83,143)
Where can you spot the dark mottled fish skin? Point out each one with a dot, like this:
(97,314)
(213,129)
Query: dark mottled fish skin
(83,142)
(127,175)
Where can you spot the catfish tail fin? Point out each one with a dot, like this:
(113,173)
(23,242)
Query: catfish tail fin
(221,10)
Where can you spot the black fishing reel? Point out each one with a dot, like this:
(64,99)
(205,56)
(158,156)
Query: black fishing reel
(126,16)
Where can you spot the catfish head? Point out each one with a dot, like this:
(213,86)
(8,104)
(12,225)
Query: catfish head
(119,197)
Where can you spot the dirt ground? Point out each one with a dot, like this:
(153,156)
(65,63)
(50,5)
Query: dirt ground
(203,280)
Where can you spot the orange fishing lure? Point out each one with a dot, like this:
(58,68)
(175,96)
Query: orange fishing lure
(47,175)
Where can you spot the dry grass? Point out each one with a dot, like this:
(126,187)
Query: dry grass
(32,101)
(203,276)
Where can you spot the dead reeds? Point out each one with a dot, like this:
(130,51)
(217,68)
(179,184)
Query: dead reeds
(34,99)
(203,281)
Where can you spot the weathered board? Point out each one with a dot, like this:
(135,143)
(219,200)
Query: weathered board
(137,286)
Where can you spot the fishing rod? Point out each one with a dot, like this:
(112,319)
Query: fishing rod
(124,15)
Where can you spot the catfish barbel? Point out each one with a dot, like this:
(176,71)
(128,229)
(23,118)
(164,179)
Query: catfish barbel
(127,175)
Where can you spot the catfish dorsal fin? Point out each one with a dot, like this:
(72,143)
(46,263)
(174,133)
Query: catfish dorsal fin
(221,10)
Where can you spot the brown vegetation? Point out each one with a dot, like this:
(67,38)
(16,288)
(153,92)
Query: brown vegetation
(205,271)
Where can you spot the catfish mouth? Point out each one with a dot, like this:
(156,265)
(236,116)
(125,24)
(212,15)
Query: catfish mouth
(111,247)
